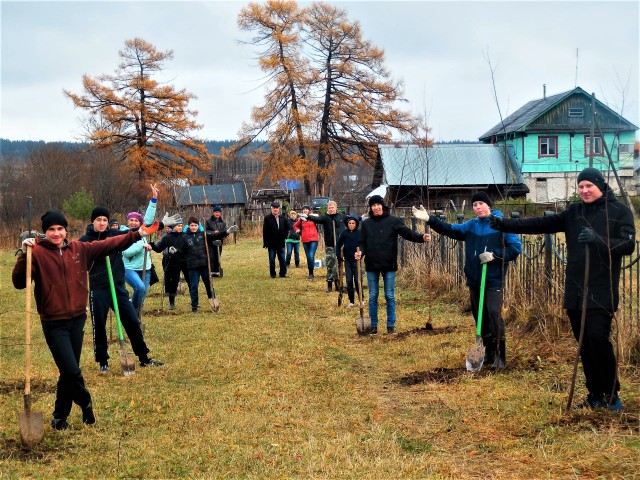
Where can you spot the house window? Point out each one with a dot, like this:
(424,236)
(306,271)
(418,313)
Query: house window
(576,113)
(597,149)
(626,148)
(547,147)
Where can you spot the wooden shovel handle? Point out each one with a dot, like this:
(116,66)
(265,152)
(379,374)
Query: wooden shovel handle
(27,383)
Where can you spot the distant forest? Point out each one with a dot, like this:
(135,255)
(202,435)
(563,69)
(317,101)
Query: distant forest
(20,149)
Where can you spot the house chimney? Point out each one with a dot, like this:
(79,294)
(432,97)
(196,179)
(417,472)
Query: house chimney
(544,91)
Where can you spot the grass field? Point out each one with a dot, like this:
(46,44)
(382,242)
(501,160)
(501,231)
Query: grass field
(278,385)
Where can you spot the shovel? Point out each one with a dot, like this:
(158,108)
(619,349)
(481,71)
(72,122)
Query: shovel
(475,355)
(363,324)
(31,423)
(213,301)
(127,360)
(219,247)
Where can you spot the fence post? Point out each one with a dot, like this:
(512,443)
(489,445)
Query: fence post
(443,249)
(460,218)
(548,257)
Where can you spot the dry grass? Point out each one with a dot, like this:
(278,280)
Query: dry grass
(278,385)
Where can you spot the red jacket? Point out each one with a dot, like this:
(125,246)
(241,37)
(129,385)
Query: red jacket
(309,230)
(60,274)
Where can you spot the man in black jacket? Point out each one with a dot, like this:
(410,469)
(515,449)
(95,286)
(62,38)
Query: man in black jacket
(100,300)
(215,224)
(274,233)
(379,248)
(604,227)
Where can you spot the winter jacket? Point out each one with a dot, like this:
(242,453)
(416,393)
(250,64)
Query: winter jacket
(213,225)
(613,224)
(379,240)
(328,223)
(308,230)
(478,237)
(349,240)
(60,274)
(274,234)
(176,240)
(133,256)
(292,235)
(98,275)
(195,249)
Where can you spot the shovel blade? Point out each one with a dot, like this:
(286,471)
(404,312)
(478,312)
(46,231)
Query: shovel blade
(128,363)
(31,428)
(475,356)
(215,305)
(363,325)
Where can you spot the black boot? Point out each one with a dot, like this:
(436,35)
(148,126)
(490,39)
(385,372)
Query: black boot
(489,350)
(172,302)
(500,362)
(329,287)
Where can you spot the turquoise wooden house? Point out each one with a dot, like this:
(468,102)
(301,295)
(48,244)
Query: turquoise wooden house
(551,140)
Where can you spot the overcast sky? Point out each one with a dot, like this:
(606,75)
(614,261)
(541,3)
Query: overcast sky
(438,49)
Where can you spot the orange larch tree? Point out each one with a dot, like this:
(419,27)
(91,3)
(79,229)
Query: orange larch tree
(146,122)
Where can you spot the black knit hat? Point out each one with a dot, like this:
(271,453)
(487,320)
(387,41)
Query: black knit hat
(481,197)
(376,199)
(114,221)
(594,176)
(275,204)
(99,212)
(217,208)
(53,217)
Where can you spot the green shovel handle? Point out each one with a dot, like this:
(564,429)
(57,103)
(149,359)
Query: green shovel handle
(114,300)
(481,302)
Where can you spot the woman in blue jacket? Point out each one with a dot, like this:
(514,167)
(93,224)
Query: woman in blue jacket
(483,244)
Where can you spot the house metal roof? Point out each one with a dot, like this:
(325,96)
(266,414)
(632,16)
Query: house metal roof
(448,165)
(528,113)
(224,194)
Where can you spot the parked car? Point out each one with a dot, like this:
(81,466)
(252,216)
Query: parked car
(269,195)
(318,203)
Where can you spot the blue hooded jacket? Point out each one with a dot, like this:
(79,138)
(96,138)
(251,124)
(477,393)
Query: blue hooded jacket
(479,237)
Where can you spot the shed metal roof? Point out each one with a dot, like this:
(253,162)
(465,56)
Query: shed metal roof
(224,194)
(448,165)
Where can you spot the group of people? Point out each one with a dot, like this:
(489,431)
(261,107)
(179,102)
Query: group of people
(599,228)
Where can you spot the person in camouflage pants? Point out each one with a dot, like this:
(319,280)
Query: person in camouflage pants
(332,224)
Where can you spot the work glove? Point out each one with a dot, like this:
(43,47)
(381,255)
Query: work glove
(28,242)
(170,221)
(303,216)
(420,213)
(495,222)
(232,229)
(486,257)
(147,230)
(217,243)
(172,250)
(587,235)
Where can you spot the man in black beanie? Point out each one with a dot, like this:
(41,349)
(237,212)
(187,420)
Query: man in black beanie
(100,299)
(379,248)
(602,228)
(59,273)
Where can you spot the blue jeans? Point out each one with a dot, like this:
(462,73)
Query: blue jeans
(195,274)
(295,246)
(389,282)
(134,280)
(310,252)
(273,253)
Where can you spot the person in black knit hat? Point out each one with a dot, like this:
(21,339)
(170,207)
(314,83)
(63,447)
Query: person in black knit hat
(59,273)
(603,228)
(100,300)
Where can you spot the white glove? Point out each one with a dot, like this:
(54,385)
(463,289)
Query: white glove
(232,229)
(302,216)
(172,250)
(486,257)
(420,213)
(28,242)
(170,221)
